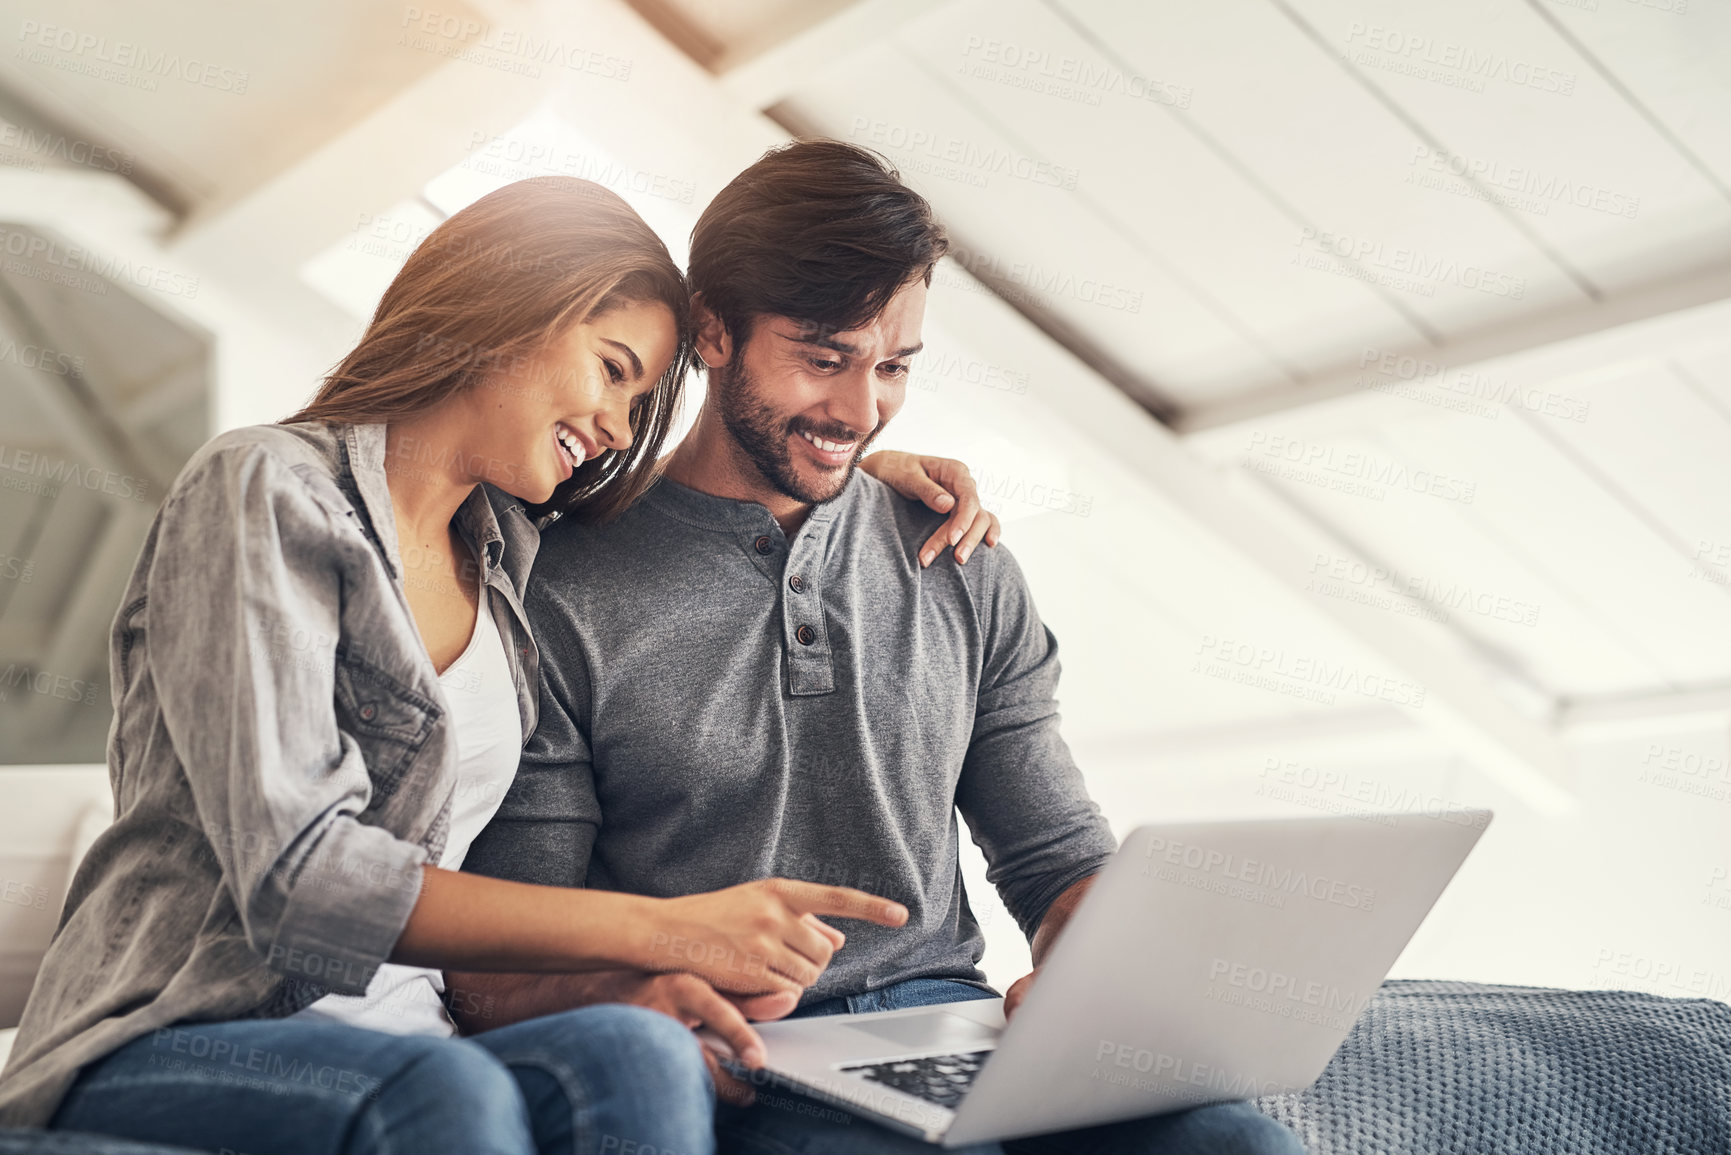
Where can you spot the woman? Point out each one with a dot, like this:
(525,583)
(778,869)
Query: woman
(323,678)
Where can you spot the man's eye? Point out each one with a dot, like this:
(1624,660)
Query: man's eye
(895,370)
(823,366)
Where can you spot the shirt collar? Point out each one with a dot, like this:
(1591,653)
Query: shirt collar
(476,520)
(707,511)
(364,446)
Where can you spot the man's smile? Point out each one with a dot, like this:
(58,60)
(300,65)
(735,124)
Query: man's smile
(828,452)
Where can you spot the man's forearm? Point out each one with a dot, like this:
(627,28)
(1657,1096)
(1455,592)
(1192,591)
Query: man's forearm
(481,1001)
(1057,915)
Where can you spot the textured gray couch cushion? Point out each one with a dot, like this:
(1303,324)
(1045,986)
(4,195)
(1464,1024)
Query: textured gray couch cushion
(70,1143)
(1486,1070)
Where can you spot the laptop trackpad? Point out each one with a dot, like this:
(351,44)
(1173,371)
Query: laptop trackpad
(939,1030)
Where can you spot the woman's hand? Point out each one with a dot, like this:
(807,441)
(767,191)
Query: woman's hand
(946,486)
(756,938)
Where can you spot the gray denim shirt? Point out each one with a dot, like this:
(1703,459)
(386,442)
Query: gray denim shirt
(280,756)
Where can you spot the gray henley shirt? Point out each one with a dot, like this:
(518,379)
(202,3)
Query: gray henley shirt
(720,703)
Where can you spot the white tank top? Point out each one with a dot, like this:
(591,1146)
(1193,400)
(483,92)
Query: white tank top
(404,1000)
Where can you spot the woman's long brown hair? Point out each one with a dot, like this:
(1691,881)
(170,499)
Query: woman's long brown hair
(487,291)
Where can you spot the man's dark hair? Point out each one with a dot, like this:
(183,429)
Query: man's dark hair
(819,231)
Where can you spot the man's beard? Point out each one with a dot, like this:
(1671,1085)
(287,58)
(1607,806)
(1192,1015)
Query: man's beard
(763,436)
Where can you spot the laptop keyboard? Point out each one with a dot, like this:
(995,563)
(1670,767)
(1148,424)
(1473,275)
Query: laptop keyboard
(940,1079)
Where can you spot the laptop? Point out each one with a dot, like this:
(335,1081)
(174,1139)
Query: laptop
(1210,961)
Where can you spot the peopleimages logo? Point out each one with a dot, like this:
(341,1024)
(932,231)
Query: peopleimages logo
(33,247)
(937,368)
(62,149)
(1026,282)
(1521,186)
(1460,65)
(24,894)
(60,473)
(1417,596)
(1218,657)
(41,357)
(503,155)
(1469,384)
(1066,77)
(1256,872)
(1282,995)
(46,684)
(1164,1070)
(1718,889)
(956,158)
(274,1068)
(517,50)
(1349,471)
(1357,795)
(1398,266)
(99,56)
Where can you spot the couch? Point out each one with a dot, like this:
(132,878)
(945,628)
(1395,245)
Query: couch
(1431,1068)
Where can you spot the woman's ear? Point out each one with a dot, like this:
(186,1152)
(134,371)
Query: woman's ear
(714,343)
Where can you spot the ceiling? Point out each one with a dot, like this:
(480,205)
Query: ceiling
(202,103)
(1134,133)
(1438,293)
(1320,352)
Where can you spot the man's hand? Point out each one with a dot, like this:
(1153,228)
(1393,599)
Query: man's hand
(697,1004)
(1019,991)
(483,1002)
(1051,926)
(945,486)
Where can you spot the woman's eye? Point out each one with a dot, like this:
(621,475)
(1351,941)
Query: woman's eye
(615,373)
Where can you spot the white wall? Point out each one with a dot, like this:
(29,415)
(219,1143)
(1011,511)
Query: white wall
(1630,890)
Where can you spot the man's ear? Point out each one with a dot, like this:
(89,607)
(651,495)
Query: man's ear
(714,342)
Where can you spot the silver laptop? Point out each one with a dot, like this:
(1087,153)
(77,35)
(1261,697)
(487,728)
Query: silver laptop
(1210,961)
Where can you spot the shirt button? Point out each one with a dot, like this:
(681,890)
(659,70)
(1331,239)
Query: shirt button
(368,712)
(806,635)
(763,544)
(796,584)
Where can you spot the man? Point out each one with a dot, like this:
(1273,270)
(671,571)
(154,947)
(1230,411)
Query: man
(763,668)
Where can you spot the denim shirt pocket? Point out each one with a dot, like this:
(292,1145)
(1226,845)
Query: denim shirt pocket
(388,719)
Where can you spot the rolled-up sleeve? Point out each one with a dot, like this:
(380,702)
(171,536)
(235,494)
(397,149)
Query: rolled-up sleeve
(1020,791)
(243,619)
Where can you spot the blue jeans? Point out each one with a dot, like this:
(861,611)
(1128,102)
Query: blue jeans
(786,1123)
(602,1080)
